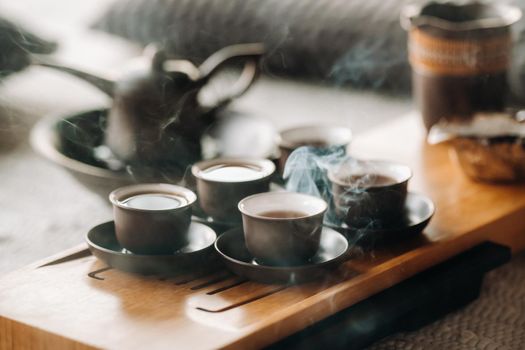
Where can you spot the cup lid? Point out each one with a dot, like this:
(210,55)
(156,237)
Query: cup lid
(117,196)
(264,167)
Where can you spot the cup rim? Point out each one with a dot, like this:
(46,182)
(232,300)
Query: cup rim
(243,211)
(267,168)
(290,145)
(335,179)
(115,197)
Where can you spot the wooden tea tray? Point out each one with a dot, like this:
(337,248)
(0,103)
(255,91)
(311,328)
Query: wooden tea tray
(72,300)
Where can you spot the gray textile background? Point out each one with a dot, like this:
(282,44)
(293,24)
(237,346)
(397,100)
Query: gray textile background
(341,42)
(43,210)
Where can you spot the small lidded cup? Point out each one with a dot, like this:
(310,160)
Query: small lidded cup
(282,228)
(370,192)
(223,182)
(152,218)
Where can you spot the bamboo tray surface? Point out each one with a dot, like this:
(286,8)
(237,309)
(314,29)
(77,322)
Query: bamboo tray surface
(74,300)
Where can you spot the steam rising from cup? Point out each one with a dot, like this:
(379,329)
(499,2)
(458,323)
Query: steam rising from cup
(306,172)
(362,195)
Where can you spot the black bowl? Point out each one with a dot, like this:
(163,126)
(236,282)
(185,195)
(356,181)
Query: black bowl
(76,142)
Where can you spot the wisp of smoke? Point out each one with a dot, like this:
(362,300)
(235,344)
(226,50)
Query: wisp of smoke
(373,63)
(306,171)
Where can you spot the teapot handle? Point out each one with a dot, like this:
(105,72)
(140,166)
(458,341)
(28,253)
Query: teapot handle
(251,52)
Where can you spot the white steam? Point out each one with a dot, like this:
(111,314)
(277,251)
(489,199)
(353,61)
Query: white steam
(307,170)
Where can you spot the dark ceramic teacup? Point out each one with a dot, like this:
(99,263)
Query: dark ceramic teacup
(319,136)
(152,218)
(282,228)
(370,192)
(222,183)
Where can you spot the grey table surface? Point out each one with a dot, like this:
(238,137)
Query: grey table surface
(43,210)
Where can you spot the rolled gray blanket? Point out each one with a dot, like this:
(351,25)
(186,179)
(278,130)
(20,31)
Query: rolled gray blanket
(343,42)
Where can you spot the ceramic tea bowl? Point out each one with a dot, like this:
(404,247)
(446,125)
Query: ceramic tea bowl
(152,218)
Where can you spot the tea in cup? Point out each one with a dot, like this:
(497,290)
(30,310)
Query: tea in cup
(152,218)
(222,183)
(370,192)
(282,228)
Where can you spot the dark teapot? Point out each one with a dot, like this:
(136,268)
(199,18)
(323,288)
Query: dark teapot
(156,119)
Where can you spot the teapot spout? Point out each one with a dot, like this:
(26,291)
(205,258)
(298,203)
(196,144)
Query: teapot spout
(105,85)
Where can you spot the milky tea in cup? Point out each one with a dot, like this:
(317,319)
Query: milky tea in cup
(222,183)
(154,201)
(152,218)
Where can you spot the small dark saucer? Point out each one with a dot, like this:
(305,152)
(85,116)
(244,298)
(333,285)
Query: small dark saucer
(419,209)
(103,244)
(219,225)
(232,248)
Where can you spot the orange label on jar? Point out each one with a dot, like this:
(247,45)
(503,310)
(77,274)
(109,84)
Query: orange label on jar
(430,54)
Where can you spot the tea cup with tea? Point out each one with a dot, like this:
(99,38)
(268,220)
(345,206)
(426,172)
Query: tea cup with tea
(282,228)
(223,182)
(152,218)
(370,192)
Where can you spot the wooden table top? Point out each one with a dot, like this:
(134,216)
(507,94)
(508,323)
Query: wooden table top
(72,300)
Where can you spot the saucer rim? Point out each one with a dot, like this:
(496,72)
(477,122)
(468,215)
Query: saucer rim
(43,139)
(93,245)
(282,268)
(419,196)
